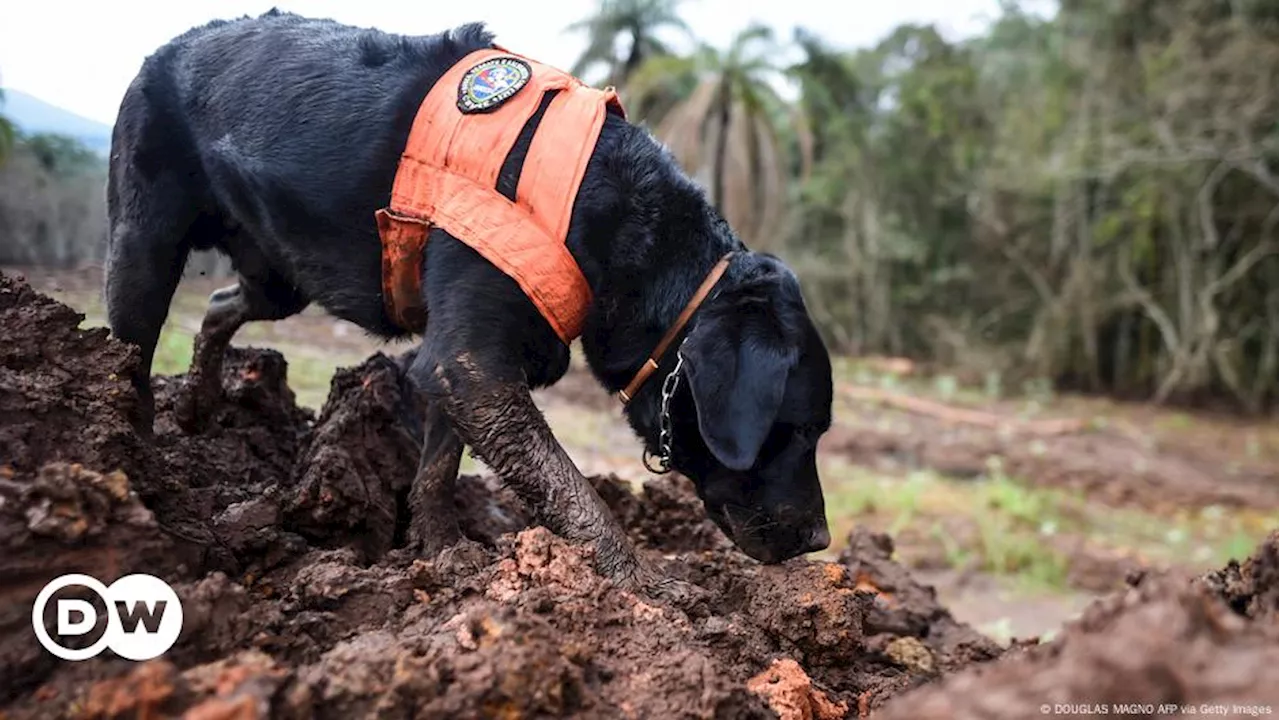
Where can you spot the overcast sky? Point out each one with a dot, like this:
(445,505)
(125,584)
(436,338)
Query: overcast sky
(82,55)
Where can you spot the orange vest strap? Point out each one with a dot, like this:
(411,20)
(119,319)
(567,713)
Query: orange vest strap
(448,175)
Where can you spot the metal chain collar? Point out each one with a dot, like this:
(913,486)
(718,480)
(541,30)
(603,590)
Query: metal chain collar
(669,385)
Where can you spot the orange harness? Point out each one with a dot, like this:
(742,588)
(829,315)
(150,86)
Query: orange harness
(448,175)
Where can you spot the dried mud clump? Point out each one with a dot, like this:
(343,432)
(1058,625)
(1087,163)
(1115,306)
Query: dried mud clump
(790,693)
(354,472)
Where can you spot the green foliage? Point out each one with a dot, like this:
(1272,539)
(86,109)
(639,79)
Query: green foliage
(52,202)
(61,155)
(1089,198)
(7,136)
(8,133)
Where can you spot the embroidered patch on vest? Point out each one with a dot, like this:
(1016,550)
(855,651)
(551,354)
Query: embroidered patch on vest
(491,83)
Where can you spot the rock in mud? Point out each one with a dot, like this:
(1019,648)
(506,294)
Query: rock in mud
(790,693)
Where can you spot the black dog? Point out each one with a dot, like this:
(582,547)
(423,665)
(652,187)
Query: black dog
(274,140)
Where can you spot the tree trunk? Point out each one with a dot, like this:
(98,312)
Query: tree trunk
(634,58)
(722,146)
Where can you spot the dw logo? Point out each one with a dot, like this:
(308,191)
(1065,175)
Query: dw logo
(144,617)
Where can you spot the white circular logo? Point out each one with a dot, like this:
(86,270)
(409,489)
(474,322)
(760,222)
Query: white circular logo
(144,617)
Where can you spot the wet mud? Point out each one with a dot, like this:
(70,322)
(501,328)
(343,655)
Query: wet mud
(283,534)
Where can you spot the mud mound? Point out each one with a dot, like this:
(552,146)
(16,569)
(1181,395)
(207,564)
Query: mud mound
(281,533)
(355,471)
(65,519)
(277,529)
(904,608)
(534,633)
(64,392)
(1163,644)
(667,515)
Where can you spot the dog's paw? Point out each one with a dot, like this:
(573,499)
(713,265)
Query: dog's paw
(428,539)
(692,600)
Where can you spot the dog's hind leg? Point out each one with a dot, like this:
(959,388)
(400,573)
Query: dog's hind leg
(434,517)
(265,297)
(145,258)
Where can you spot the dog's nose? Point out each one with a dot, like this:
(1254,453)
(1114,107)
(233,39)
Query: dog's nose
(819,539)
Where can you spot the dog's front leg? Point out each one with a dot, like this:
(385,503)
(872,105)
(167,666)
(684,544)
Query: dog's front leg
(500,422)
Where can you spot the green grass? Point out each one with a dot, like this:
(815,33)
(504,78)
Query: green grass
(941,387)
(173,352)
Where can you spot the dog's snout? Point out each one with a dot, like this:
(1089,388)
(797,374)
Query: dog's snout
(819,539)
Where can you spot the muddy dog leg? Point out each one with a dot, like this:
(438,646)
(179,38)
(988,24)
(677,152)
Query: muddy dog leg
(434,523)
(498,419)
(229,308)
(142,273)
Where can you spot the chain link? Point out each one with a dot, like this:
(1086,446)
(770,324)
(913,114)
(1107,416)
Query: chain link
(669,386)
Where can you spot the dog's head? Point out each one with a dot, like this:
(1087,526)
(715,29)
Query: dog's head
(758,397)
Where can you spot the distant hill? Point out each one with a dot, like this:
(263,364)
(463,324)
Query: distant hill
(32,115)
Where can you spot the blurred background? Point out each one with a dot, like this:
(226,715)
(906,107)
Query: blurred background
(1041,238)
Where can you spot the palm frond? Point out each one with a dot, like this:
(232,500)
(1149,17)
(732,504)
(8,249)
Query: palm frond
(658,85)
(682,128)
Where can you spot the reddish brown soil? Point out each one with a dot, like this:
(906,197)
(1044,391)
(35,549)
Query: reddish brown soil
(281,533)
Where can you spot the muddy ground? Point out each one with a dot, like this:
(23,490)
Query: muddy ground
(1195,468)
(282,530)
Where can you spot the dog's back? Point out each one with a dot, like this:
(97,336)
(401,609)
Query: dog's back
(273,139)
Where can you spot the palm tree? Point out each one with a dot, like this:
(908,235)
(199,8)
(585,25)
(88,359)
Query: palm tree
(639,21)
(722,118)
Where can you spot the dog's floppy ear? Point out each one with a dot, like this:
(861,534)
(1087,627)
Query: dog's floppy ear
(737,370)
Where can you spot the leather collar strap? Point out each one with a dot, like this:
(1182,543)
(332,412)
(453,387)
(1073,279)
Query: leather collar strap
(655,357)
